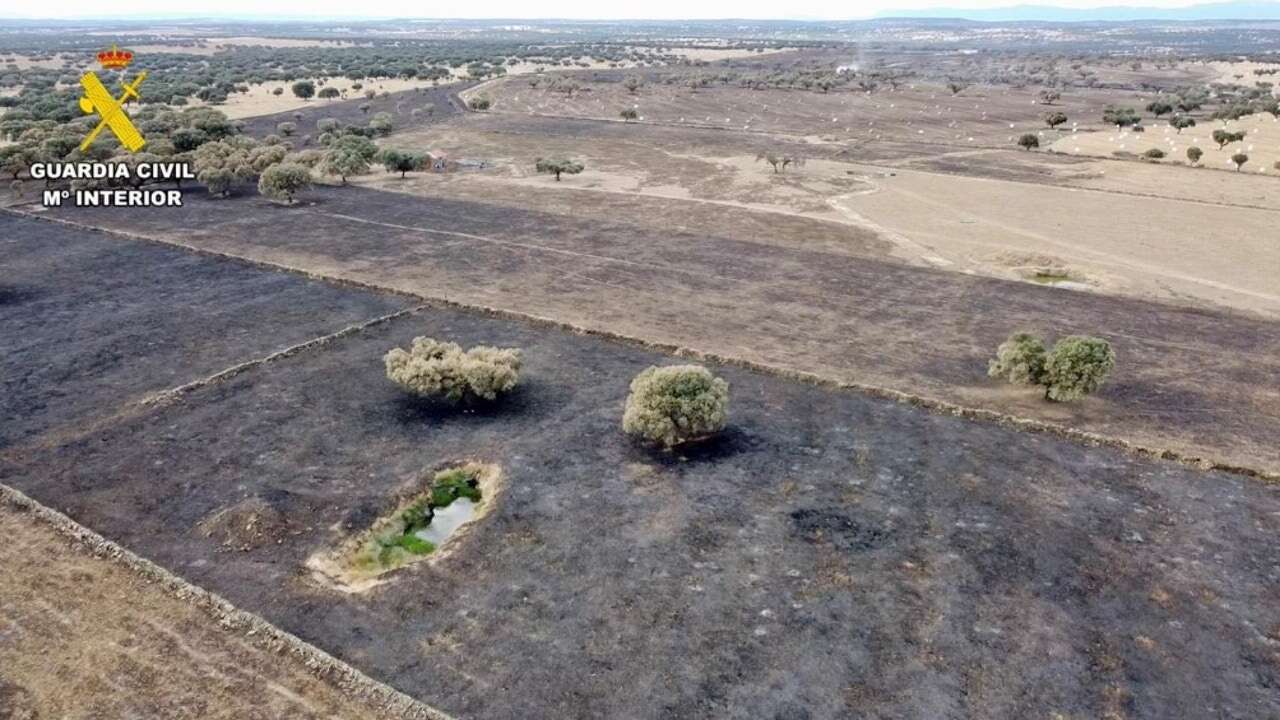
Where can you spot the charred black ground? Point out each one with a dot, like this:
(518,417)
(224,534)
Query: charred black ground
(91,323)
(833,556)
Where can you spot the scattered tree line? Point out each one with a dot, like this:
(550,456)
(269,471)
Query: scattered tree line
(666,407)
(1076,366)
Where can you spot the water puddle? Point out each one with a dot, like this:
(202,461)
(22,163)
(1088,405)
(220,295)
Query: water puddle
(447,521)
(422,527)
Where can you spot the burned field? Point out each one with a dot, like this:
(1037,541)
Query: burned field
(881,530)
(832,554)
(92,326)
(833,306)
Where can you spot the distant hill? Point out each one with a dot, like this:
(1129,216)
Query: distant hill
(1240,10)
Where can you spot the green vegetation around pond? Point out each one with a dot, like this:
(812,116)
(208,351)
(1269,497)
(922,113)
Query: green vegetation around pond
(398,539)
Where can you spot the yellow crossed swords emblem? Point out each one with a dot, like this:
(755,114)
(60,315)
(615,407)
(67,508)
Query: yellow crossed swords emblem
(111,110)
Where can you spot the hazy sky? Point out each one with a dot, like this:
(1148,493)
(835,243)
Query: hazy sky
(577,9)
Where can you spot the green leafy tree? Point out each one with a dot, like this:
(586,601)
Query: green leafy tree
(15,122)
(221,164)
(264,156)
(1020,360)
(558,166)
(219,181)
(348,156)
(1121,117)
(282,182)
(328,93)
(400,161)
(1077,366)
(1029,141)
(188,139)
(1054,119)
(1159,107)
(1226,137)
(443,371)
(1194,154)
(381,124)
(628,115)
(1181,122)
(673,405)
(1239,159)
(16,159)
(210,121)
(1189,103)
(304,89)
(310,158)
(57,147)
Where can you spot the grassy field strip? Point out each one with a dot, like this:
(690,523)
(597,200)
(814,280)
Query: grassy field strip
(390,702)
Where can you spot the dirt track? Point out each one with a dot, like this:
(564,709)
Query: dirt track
(834,555)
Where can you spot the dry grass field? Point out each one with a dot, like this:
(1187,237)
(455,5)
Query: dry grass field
(1237,72)
(262,100)
(629,159)
(85,636)
(1197,253)
(1181,238)
(1261,143)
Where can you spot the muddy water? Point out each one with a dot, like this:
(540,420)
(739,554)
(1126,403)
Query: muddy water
(447,520)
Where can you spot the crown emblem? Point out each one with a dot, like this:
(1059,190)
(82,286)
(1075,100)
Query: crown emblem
(115,58)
